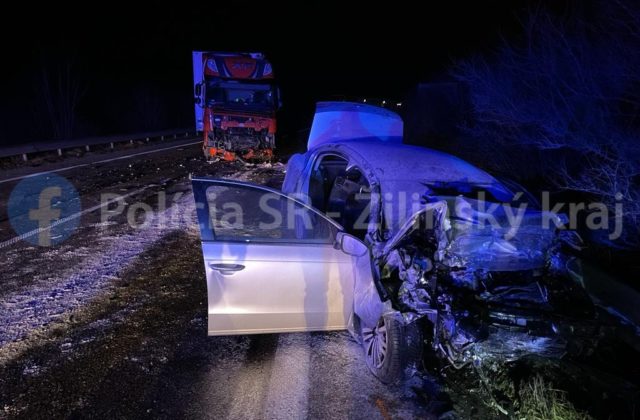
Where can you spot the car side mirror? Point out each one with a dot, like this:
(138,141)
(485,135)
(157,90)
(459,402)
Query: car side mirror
(351,245)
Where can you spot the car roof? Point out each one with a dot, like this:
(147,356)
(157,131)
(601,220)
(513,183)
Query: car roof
(393,162)
(404,172)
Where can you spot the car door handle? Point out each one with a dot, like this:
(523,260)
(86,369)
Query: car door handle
(226,269)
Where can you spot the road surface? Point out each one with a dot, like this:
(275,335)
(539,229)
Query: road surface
(112,322)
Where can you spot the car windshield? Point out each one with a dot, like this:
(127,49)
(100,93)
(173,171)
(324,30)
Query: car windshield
(402,198)
(494,192)
(489,192)
(239,94)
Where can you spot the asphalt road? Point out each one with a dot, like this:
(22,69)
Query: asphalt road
(112,322)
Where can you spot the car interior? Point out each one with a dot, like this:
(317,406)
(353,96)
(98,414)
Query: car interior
(340,193)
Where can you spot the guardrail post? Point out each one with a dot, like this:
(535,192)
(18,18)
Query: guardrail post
(147,139)
(175,136)
(186,134)
(59,152)
(131,141)
(111,145)
(161,137)
(86,147)
(24,157)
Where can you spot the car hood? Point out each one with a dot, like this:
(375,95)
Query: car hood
(346,121)
(481,235)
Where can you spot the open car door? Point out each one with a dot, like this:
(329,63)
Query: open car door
(272,263)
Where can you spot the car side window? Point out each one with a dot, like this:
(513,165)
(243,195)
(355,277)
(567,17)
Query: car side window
(349,202)
(342,194)
(240,212)
(323,176)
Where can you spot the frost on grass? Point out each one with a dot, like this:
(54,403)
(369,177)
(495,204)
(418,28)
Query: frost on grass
(26,310)
(540,401)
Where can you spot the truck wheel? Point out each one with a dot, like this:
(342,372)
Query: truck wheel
(390,348)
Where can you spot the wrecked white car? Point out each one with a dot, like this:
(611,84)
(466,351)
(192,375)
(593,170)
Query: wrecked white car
(407,248)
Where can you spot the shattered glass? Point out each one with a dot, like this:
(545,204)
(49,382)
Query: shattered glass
(492,241)
(485,276)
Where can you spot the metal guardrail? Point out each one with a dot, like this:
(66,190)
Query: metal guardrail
(58,146)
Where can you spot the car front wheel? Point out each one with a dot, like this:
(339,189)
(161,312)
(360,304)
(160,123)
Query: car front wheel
(390,347)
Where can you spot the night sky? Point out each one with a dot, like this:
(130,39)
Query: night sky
(124,57)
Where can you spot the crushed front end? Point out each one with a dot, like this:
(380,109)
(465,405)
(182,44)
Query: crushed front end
(484,290)
(229,135)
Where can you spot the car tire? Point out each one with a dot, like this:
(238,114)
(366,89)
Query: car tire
(391,347)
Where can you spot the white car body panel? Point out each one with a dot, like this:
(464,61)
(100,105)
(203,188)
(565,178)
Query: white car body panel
(283,288)
(258,287)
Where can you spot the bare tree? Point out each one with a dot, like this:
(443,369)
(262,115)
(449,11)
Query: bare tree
(571,92)
(61,90)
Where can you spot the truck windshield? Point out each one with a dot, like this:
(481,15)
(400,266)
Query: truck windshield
(239,95)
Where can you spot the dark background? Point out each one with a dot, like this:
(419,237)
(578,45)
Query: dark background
(133,66)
